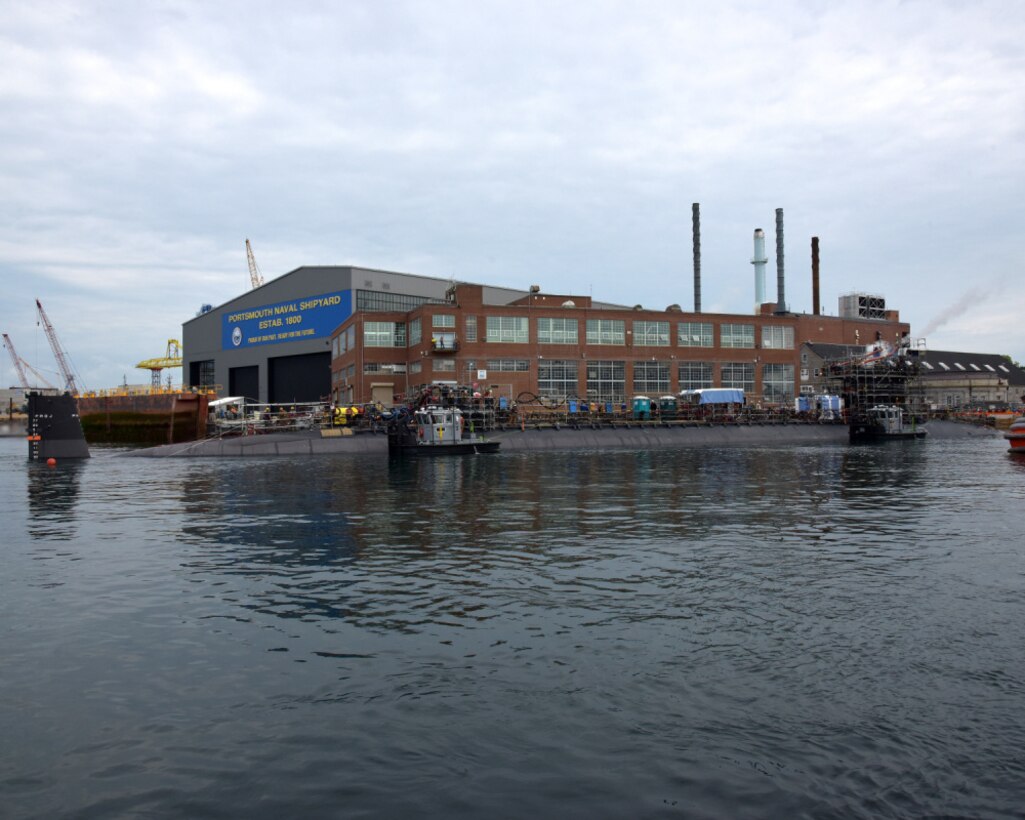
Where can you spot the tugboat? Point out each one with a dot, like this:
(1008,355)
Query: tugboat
(1016,436)
(434,431)
(884,422)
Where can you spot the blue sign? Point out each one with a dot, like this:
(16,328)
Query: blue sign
(310,317)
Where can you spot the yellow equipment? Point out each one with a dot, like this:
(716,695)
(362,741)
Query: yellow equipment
(173,358)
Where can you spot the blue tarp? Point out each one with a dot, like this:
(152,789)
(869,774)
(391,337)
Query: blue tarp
(714,395)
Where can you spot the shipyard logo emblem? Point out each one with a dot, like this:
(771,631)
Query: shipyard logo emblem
(236,336)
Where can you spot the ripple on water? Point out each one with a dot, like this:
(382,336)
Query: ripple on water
(824,631)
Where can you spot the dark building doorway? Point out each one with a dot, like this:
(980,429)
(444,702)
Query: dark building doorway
(299,378)
(244,381)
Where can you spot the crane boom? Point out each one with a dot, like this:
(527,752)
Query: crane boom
(20,364)
(255,277)
(58,352)
(17,361)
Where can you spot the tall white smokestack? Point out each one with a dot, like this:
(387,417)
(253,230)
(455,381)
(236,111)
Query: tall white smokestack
(759,260)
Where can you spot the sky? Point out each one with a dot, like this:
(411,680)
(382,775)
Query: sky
(508,143)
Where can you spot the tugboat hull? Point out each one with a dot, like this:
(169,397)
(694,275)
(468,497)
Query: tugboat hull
(1016,436)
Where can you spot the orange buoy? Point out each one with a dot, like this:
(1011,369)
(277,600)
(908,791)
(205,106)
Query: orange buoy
(51,462)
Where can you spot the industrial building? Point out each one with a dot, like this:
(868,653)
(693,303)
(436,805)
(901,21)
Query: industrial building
(272,343)
(357,335)
(564,346)
(944,379)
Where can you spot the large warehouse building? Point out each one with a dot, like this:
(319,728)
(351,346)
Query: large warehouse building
(273,343)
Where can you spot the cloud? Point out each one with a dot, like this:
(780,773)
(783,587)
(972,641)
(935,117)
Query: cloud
(514,144)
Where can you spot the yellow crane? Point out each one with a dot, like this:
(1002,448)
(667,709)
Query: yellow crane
(255,277)
(172,358)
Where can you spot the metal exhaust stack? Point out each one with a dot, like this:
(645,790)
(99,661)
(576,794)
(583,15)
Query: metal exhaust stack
(815,275)
(781,306)
(759,260)
(696,218)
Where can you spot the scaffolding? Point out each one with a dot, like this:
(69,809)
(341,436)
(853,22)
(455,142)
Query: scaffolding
(881,377)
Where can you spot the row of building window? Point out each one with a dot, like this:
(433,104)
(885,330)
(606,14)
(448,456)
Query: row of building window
(606,380)
(515,330)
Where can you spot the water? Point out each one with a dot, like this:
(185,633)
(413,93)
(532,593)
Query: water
(818,632)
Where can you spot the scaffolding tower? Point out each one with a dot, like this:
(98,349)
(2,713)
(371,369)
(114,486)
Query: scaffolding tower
(880,377)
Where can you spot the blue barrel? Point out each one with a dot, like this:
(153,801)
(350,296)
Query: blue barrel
(572,407)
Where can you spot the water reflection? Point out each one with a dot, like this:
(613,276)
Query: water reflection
(396,545)
(52,497)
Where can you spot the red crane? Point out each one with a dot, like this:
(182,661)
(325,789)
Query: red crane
(58,352)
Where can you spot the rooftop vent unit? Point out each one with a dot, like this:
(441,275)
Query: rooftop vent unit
(862,306)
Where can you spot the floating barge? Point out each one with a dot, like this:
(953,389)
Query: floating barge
(147,418)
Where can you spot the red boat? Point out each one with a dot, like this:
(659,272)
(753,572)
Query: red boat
(1016,435)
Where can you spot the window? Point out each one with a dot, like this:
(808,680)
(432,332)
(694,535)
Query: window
(695,375)
(557,331)
(509,365)
(444,365)
(471,328)
(737,335)
(443,320)
(738,375)
(606,380)
(512,329)
(390,302)
(606,332)
(804,374)
(371,367)
(384,334)
(415,331)
(694,334)
(416,367)
(334,347)
(557,379)
(443,341)
(651,334)
(651,377)
(778,383)
(350,340)
(777,337)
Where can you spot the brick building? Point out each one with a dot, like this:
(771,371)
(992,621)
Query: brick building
(568,346)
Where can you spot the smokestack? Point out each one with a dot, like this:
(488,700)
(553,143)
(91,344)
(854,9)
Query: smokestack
(781,306)
(759,260)
(815,275)
(696,218)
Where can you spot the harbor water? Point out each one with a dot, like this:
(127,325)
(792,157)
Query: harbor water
(818,631)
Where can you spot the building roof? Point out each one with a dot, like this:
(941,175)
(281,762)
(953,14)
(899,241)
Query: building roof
(955,363)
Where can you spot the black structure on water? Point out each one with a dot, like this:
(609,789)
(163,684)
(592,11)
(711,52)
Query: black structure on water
(54,427)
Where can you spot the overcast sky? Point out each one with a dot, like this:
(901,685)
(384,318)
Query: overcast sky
(509,143)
